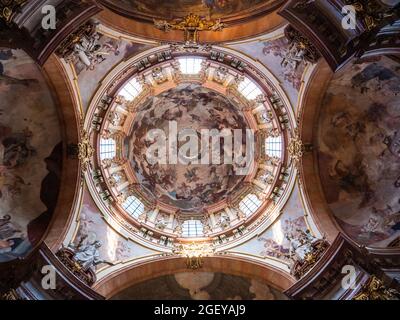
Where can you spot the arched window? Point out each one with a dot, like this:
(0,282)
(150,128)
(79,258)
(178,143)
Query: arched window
(250,204)
(249,89)
(108,149)
(131,90)
(133,206)
(273,146)
(190,65)
(192,229)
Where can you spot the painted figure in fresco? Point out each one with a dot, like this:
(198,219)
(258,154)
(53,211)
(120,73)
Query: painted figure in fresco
(301,245)
(375,72)
(273,249)
(15,148)
(397,183)
(112,47)
(275,47)
(10,235)
(293,62)
(7,80)
(9,245)
(266,177)
(122,251)
(85,225)
(384,221)
(10,184)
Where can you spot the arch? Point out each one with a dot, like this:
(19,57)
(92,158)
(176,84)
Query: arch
(241,31)
(32,141)
(127,277)
(68,112)
(310,108)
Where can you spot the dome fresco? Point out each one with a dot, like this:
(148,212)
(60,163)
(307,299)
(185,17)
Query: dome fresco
(199,150)
(191,149)
(186,186)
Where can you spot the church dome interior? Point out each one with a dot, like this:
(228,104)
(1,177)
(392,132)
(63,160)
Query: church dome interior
(213,150)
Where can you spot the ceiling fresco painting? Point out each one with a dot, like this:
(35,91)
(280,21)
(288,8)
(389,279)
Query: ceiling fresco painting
(190,186)
(359,150)
(214,9)
(199,150)
(30,159)
(201,286)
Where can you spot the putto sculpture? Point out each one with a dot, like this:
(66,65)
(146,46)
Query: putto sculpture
(305,251)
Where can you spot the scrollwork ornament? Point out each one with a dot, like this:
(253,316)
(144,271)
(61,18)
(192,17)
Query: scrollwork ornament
(8,8)
(190,25)
(296,148)
(374,289)
(86,151)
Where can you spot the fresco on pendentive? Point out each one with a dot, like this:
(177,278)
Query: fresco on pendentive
(272,53)
(93,62)
(359,150)
(30,154)
(276,241)
(98,241)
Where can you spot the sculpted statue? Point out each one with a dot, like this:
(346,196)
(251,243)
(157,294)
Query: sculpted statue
(88,51)
(87,254)
(301,246)
(162,25)
(267,177)
(225,221)
(294,56)
(178,229)
(84,46)
(206,226)
(161,224)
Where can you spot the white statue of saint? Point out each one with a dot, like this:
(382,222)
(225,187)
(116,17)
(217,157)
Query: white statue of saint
(88,255)
(87,50)
(301,245)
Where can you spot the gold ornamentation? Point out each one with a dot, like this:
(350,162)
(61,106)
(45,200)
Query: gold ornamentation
(86,151)
(296,148)
(371,12)
(305,251)
(10,295)
(66,256)
(8,8)
(194,252)
(375,290)
(191,25)
(300,49)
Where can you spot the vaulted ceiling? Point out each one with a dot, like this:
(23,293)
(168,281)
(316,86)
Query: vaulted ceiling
(79,109)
